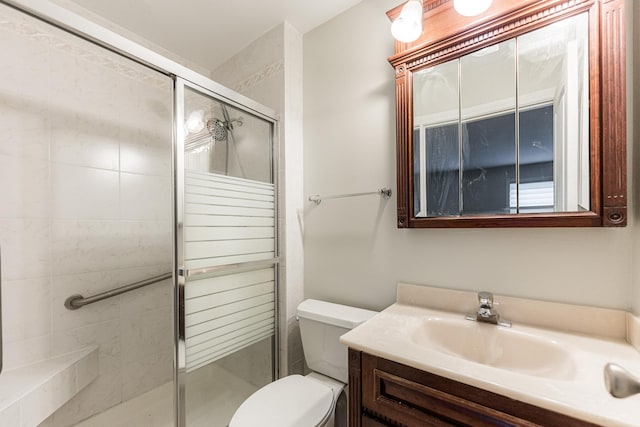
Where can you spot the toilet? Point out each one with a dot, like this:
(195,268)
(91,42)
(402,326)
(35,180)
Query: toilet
(311,400)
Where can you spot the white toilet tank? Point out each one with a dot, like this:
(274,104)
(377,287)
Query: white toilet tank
(321,325)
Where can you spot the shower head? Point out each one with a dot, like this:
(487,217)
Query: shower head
(218,129)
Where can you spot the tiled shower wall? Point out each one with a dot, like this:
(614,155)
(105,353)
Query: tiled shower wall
(85,191)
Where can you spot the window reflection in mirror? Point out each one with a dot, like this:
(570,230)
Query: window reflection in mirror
(505,129)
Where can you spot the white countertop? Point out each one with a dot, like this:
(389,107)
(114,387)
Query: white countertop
(391,334)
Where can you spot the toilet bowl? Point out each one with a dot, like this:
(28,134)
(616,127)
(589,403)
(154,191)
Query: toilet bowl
(311,400)
(292,401)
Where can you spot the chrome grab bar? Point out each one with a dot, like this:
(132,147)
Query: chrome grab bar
(76,301)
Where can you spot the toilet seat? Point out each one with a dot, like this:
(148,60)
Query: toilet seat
(292,401)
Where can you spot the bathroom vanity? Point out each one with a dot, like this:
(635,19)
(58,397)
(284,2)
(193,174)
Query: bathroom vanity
(387,393)
(421,363)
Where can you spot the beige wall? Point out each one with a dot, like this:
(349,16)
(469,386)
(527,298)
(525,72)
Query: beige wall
(353,251)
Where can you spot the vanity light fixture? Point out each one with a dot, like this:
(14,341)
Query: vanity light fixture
(408,26)
(471,7)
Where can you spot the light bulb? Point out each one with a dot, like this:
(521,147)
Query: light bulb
(195,121)
(471,7)
(408,26)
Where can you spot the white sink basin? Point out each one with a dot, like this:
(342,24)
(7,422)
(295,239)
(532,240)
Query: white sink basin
(504,348)
(559,368)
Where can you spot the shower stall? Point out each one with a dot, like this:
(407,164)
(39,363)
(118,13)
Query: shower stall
(138,232)
(226,253)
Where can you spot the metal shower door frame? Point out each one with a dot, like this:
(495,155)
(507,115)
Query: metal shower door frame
(182,76)
(180,272)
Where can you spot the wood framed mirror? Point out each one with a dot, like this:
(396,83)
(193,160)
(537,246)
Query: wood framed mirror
(514,118)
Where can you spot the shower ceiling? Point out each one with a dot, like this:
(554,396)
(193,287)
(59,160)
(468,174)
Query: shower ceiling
(208,32)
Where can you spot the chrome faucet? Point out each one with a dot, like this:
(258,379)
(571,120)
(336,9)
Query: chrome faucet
(487,313)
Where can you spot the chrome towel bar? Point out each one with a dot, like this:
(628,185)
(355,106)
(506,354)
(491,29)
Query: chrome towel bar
(384,192)
(76,301)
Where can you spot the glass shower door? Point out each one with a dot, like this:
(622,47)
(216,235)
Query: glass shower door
(227,256)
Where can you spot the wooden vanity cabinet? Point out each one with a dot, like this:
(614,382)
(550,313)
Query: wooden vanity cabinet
(386,393)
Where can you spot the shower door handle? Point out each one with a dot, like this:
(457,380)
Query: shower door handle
(227,268)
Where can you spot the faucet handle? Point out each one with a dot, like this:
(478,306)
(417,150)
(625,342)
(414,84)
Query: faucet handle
(485,299)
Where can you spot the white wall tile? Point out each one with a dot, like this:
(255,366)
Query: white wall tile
(145,243)
(27,189)
(106,336)
(89,93)
(295,351)
(21,111)
(85,246)
(101,394)
(146,115)
(146,159)
(25,76)
(252,364)
(84,193)
(19,324)
(145,374)
(145,197)
(30,143)
(86,370)
(26,352)
(75,145)
(144,334)
(24,82)
(252,59)
(25,245)
(21,49)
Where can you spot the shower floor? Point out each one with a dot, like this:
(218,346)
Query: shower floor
(212,398)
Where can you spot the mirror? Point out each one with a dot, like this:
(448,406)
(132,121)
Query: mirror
(497,131)
(505,129)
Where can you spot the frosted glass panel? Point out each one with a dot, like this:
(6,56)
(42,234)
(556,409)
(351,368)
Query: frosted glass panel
(231,311)
(229,225)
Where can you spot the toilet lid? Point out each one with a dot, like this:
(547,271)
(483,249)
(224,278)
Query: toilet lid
(292,401)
